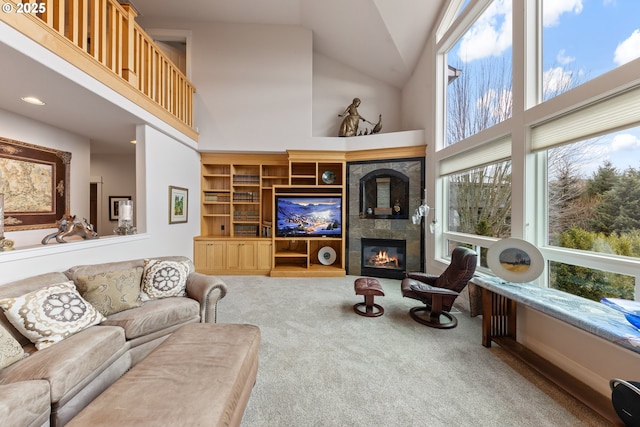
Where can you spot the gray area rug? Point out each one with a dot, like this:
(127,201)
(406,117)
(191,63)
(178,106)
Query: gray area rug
(323,365)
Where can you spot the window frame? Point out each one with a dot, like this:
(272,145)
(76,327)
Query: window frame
(529,172)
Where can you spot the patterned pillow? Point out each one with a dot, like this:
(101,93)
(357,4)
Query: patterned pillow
(112,291)
(50,314)
(163,279)
(10,350)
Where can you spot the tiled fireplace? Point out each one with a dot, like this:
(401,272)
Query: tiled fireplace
(383,258)
(367,186)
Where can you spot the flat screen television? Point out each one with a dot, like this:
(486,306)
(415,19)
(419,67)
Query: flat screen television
(308,216)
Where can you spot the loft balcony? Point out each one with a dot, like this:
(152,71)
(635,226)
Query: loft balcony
(102,38)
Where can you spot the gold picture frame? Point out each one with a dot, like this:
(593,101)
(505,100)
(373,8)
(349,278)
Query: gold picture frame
(178,205)
(35,184)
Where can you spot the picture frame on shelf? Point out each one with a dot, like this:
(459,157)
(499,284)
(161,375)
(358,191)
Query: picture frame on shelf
(178,205)
(114,206)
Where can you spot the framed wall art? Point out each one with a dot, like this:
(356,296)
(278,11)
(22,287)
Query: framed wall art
(114,205)
(178,205)
(35,184)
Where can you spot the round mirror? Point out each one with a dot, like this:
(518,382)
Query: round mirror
(515,260)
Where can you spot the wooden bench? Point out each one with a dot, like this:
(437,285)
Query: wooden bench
(202,375)
(500,301)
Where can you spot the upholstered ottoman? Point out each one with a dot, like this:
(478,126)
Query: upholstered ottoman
(369,288)
(202,375)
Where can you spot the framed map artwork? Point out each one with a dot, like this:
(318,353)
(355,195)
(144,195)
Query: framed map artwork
(34,181)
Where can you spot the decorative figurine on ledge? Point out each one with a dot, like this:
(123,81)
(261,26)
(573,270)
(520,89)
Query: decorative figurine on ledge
(351,121)
(70,226)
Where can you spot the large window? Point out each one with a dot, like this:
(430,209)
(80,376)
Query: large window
(479,75)
(479,201)
(594,194)
(576,48)
(557,164)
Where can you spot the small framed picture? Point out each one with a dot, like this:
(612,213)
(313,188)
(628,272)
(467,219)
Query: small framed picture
(114,204)
(178,204)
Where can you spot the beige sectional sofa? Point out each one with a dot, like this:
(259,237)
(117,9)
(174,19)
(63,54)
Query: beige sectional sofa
(50,385)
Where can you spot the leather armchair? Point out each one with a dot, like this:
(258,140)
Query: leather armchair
(439,292)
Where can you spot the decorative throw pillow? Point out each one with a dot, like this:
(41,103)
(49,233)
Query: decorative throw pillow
(163,279)
(10,350)
(50,314)
(112,291)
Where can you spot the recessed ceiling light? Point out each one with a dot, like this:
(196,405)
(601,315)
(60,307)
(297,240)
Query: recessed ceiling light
(32,100)
(133,141)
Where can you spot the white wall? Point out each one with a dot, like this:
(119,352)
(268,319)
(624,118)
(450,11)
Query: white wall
(261,88)
(22,129)
(253,86)
(118,173)
(167,162)
(334,87)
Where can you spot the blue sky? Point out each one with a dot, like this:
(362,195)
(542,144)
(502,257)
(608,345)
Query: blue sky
(582,39)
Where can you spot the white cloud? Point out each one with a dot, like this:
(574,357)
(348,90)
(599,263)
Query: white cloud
(628,49)
(490,35)
(564,59)
(625,141)
(552,9)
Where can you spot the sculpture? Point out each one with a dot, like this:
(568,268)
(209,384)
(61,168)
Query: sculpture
(351,121)
(349,126)
(70,226)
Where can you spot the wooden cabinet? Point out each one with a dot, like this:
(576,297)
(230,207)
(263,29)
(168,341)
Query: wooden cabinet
(210,256)
(232,256)
(237,213)
(264,255)
(311,173)
(242,255)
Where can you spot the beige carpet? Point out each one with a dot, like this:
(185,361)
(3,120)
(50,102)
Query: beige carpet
(323,365)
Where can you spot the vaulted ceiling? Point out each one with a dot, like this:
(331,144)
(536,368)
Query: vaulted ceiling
(380,38)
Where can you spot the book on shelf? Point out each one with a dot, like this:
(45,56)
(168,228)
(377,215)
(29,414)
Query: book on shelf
(216,197)
(246,178)
(246,196)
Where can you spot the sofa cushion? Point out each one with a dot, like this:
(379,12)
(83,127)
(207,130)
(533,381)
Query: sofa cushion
(164,278)
(10,350)
(50,314)
(25,403)
(154,316)
(73,361)
(112,291)
(21,287)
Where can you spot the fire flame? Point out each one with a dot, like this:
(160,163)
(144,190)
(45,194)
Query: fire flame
(383,258)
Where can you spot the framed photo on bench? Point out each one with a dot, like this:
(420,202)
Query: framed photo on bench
(515,260)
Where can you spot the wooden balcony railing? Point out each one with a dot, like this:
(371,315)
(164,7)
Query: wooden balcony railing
(106,31)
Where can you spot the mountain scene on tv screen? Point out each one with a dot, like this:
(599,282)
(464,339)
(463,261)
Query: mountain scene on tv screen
(309,217)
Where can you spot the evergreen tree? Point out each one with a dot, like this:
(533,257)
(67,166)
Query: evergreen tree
(603,180)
